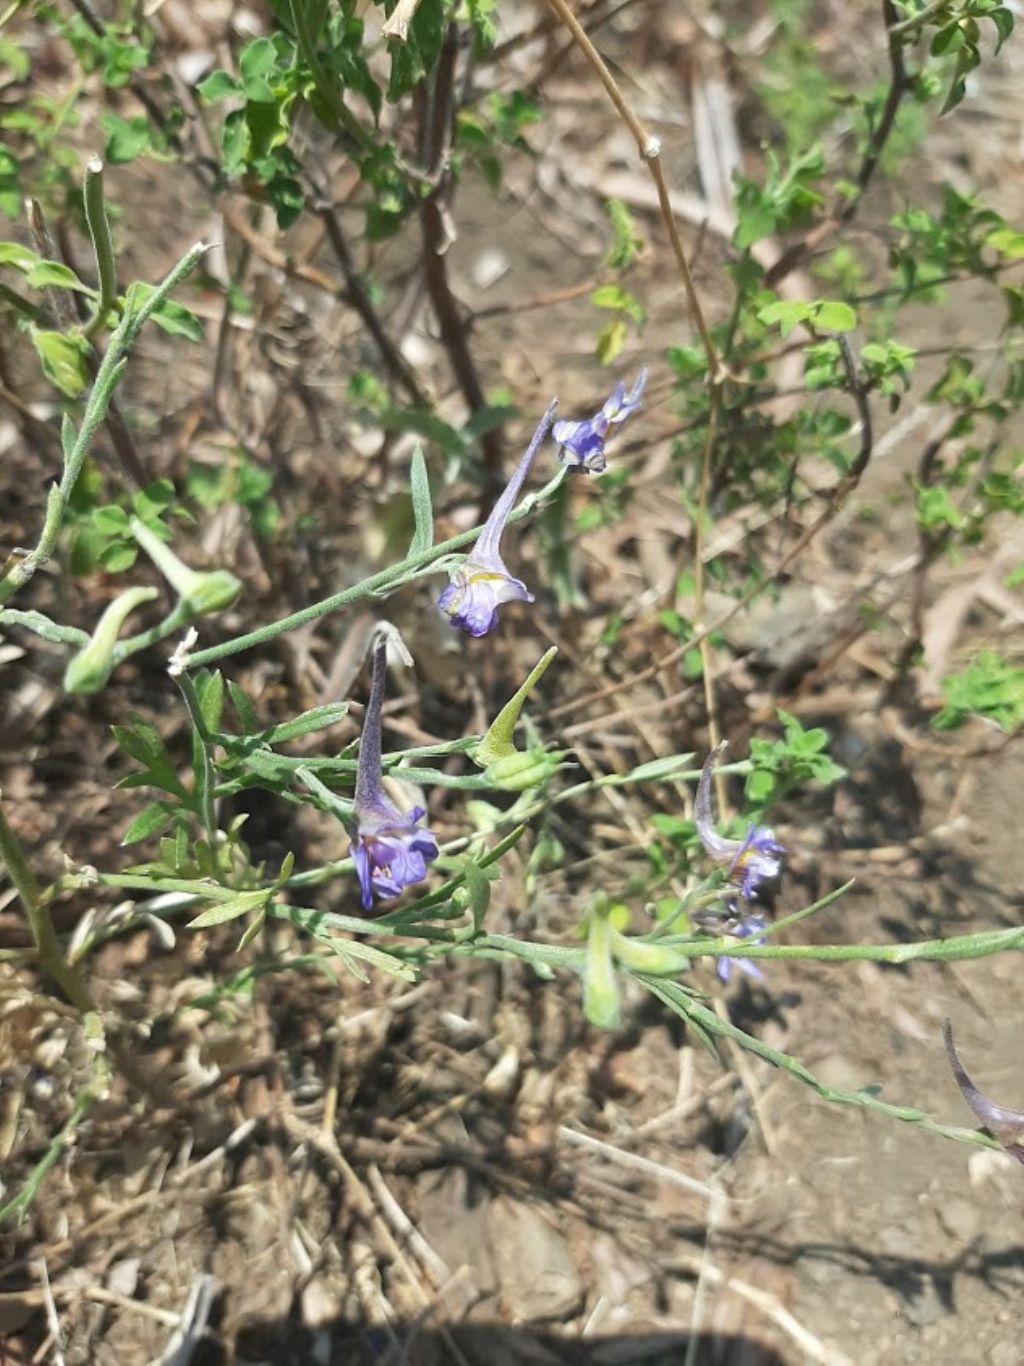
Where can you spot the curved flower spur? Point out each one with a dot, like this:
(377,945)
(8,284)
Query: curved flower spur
(482,582)
(582,443)
(390,851)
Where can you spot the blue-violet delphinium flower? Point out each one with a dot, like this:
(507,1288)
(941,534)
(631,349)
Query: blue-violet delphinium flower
(482,582)
(582,443)
(389,851)
(753,860)
(750,927)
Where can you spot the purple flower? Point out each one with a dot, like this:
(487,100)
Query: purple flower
(582,443)
(751,861)
(749,927)
(389,851)
(482,582)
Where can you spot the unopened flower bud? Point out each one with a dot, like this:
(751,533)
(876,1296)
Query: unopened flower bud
(201,591)
(88,671)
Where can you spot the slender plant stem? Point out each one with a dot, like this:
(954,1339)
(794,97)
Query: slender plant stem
(916,20)
(51,956)
(44,627)
(386,578)
(358,296)
(649,149)
(107,378)
(436,122)
(707,1022)
(706,657)
(102,245)
(22,1202)
(206,775)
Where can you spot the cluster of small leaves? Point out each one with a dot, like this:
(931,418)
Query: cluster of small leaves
(65,355)
(778,766)
(990,687)
(236,480)
(964,236)
(492,126)
(100,535)
(958,36)
(786,200)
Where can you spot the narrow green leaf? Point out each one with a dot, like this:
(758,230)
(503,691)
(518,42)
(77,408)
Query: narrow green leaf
(347,949)
(244,710)
(210,690)
(150,822)
(223,911)
(252,929)
(14,254)
(53,275)
(318,718)
(68,436)
(422,509)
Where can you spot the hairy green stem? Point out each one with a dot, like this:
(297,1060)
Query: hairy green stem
(44,627)
(376,584)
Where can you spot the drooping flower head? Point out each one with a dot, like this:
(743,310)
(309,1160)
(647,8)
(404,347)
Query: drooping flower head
(482,582)
(390,851)
(582,443)
(751,861)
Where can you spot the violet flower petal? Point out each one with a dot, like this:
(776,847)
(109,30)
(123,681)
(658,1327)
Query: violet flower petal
(751,861)
(581,444)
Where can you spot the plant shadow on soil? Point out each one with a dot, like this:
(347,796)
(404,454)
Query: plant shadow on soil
(485,1344)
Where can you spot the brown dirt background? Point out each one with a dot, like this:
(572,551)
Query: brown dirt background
(449,1218)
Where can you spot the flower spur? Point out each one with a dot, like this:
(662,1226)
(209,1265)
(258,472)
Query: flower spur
(482,582)
(390,851)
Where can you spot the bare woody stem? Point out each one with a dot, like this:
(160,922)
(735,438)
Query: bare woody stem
(436,124)
(650,152)
(358,296)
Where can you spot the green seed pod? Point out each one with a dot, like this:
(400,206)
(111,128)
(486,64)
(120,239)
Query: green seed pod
(518,771)
(88,671)
(659,960)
